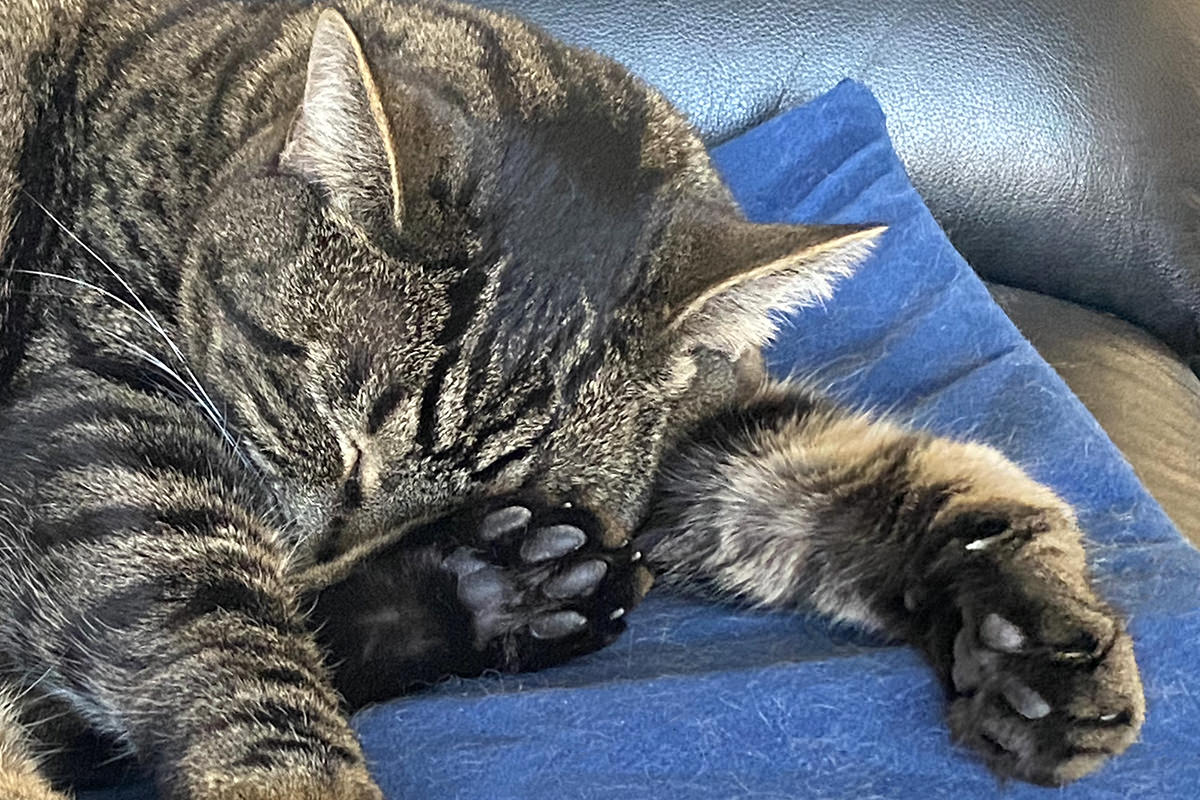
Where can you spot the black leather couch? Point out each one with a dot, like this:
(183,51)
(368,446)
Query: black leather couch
(1057,142)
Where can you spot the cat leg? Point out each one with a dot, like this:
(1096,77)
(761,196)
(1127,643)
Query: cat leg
(141,581)
(789,500)
(510,583)
(20,777)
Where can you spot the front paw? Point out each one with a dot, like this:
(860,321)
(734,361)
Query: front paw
(1041,672)
(539,584)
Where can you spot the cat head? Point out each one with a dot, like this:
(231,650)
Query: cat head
(477,260)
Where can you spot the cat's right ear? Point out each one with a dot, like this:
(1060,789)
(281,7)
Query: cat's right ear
(340,139)
(740,275)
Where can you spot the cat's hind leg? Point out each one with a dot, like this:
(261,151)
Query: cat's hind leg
(789,501)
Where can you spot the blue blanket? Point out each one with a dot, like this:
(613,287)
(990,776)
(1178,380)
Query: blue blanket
(702,701)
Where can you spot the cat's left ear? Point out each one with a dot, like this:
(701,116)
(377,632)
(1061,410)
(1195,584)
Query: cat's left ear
(340,139)
(738,275)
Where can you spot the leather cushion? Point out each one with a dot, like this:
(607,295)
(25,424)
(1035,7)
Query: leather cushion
(1143,396)
(1057,141)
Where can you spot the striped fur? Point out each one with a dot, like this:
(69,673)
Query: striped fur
(787,501)
(276,287)
(295,304)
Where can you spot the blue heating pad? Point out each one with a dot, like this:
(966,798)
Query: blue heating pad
(713,702)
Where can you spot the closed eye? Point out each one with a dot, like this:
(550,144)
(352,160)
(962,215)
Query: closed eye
(352,495)
(384,405)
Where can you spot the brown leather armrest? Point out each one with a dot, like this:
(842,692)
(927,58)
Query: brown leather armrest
(1143,395)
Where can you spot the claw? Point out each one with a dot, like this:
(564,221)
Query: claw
(984,543)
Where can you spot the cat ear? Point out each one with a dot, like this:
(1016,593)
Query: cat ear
(738,275)
(340,139)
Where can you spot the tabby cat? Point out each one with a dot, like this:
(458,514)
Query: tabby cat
(403,338)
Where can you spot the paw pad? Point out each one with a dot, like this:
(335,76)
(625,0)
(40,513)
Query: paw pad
(999,634)
(553,542)
(580,580)
(538,583)
(557,624)
(504,522)
(1040,705)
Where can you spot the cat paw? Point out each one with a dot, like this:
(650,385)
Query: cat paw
(539,584)
(1041,672)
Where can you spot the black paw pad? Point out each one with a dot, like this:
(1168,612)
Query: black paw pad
(999,634)
(550,543)
(578,581)
(1041,674)
(504,522)
(538,584)
(1039,703)
(557,624)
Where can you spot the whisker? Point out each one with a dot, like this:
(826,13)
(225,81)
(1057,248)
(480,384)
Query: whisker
(25,691)
(146,355)
(33,724)
(78,282)
(136,348)
(217,420)
(146,314)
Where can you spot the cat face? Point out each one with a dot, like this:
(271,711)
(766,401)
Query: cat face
(488,262)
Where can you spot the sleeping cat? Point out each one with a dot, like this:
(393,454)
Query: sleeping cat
(342,350)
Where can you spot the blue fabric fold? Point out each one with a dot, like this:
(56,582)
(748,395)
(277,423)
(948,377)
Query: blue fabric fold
(713,702)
